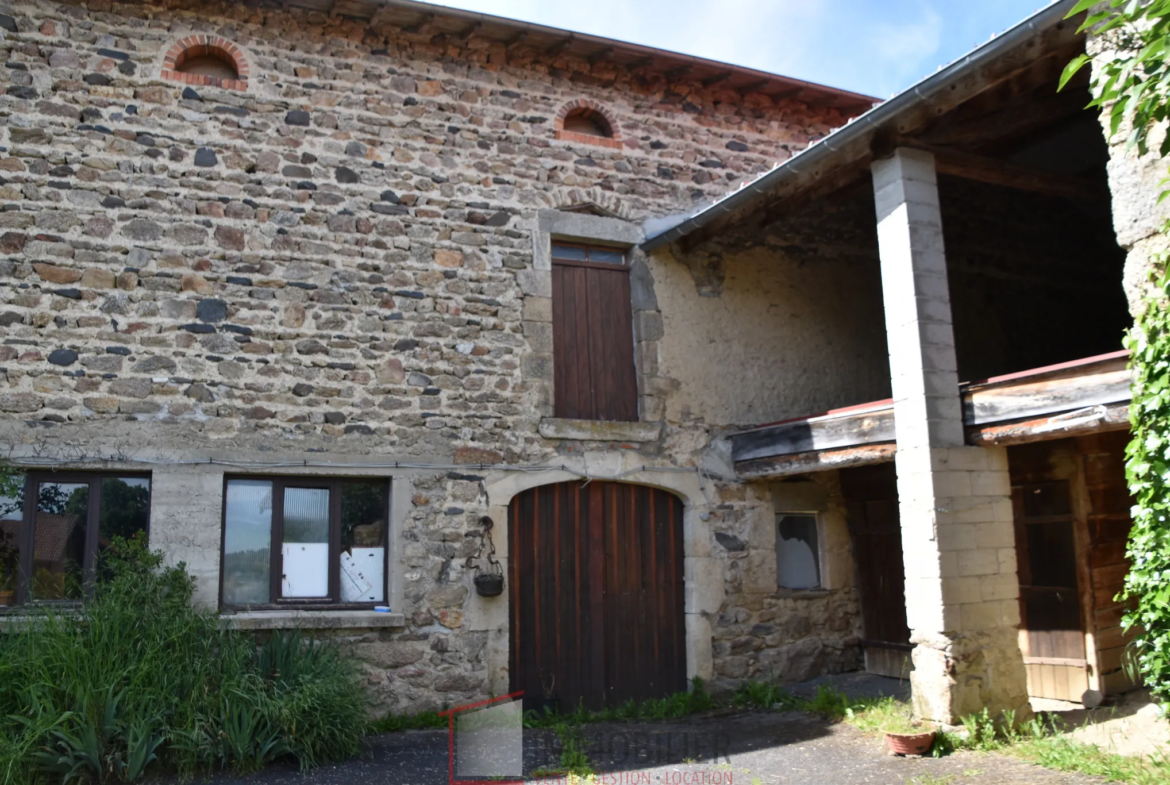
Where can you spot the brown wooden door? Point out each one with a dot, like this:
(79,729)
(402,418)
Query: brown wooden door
(1050,600)
(596,577)
(871,494)
(593,341)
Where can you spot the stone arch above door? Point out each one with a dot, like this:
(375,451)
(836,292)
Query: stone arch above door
(703,575)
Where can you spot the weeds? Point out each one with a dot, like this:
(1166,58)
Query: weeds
(137,679)
(680,704)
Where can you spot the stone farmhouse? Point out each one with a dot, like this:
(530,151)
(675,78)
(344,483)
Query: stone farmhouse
(520,359)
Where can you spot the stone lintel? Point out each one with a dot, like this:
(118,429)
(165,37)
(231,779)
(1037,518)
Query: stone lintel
(599,430)
(311,620)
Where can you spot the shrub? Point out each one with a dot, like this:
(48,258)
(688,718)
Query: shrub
(137,678)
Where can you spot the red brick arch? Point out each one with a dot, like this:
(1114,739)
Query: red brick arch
(206,46)
(586,106)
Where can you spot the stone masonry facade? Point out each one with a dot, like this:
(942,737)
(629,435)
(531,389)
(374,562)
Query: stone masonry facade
(336,258)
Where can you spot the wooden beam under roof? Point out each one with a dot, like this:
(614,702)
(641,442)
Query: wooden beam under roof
(856,149)
(559,46)
(1044,403)
(516,41)
(1007,174)
(601,54)
(418,26)
(716,79)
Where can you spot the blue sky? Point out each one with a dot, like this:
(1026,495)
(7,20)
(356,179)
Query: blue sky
(875,47)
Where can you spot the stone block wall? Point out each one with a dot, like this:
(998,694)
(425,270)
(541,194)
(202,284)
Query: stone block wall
(332,264)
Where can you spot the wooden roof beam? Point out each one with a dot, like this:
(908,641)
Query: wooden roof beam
(559,47)
(994,171)
(516,41)
(600,55)
(418,26)
(716,79)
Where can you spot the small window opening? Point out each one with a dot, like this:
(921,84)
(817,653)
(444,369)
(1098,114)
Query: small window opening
(211,61)
(798,562)
(588,122)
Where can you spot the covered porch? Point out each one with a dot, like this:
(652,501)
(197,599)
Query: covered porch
(972,218)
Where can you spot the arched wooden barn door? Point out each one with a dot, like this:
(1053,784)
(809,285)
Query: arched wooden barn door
(596,590)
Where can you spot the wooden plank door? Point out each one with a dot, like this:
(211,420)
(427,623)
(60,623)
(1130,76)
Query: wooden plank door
(596,576)
(871,494)
(1053,638)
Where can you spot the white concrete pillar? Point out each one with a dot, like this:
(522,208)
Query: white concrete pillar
(958,543)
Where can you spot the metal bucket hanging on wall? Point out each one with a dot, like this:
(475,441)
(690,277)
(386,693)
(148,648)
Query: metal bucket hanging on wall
(489,582)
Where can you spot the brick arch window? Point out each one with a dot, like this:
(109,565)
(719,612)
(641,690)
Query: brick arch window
(207,60)
(587,122)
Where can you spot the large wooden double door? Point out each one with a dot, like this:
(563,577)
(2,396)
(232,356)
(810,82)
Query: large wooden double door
(596,591)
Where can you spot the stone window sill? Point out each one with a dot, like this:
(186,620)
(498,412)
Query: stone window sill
(599,430)
(261,620)
(803,594)
(311,620)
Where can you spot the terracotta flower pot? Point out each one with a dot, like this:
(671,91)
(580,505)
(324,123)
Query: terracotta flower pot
(910,743)
(7,598)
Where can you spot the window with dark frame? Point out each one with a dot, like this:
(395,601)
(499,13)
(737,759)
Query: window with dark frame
(593,334)
(798,556)
(56,526)
(304,541)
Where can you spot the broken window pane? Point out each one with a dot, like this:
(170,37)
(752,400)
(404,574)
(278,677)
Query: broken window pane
(306,543)
(363,541)
(797,552)
(247,542)
(59,541)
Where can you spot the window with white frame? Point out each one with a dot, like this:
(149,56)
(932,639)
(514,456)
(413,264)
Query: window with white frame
(798,551)
(304,541)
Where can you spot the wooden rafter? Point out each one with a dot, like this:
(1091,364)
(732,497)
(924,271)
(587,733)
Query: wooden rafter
(993,171)
(716,79)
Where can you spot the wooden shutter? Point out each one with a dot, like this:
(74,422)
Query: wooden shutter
(593,337)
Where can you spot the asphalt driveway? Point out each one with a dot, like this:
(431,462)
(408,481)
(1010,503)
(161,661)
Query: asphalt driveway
(720,748)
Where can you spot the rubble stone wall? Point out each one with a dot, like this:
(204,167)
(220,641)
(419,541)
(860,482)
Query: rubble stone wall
(334,265)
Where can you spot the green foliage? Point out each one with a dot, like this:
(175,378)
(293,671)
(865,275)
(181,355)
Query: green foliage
(1147,585)
(137,679)
(680,704)
(1132,84)
(761,695)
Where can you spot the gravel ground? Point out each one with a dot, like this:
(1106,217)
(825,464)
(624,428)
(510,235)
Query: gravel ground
(752,748)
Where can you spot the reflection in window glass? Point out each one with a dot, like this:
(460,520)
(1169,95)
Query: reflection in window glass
(606,257)
(59,541)
(247,542)
(124,510)
(306,543)
(11,517)
(363,541)
(797,555)
(571,252)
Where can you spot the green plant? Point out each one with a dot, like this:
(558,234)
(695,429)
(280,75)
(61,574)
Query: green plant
(1132,84)
(137,679)
(761,695)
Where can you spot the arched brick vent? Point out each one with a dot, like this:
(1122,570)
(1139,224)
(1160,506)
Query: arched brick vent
(587,122)
(207,60)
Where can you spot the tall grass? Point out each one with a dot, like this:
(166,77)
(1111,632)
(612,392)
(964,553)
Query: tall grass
(136,679)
